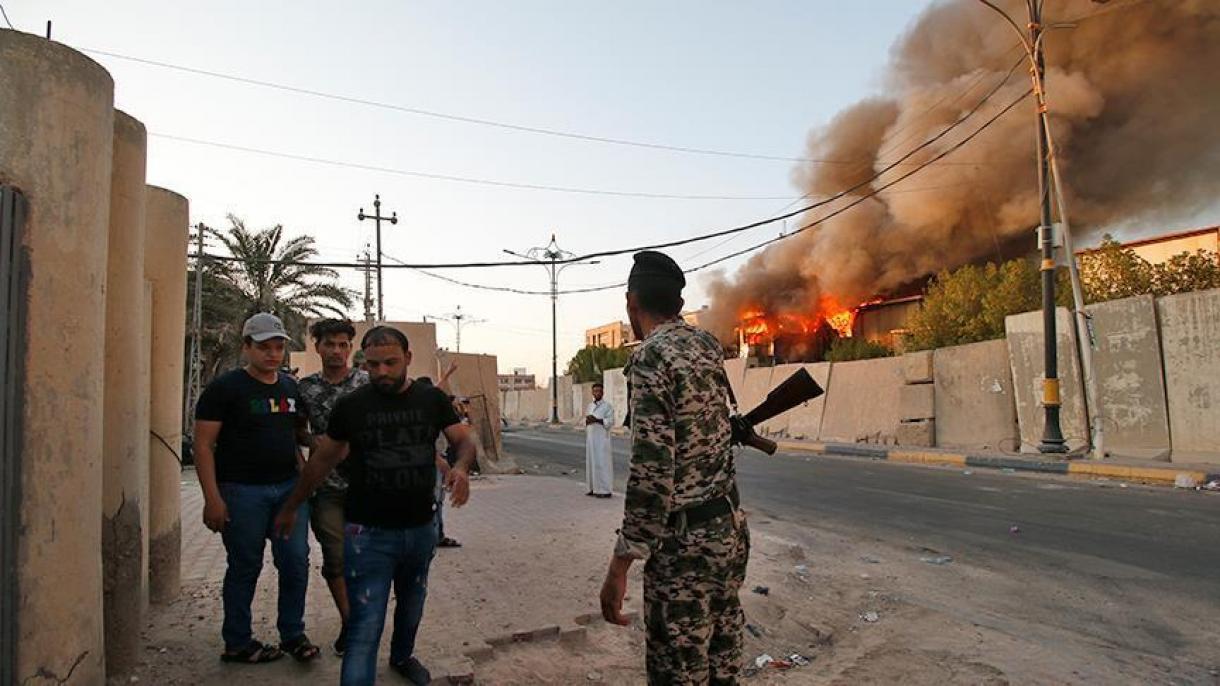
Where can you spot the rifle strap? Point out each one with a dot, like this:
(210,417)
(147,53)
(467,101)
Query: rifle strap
(728,388)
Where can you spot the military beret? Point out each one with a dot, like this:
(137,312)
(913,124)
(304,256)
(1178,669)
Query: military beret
(655,268)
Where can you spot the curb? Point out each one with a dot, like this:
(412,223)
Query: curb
(1153,475)
(1163,476)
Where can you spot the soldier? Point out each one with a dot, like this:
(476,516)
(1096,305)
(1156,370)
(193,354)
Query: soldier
(681,510)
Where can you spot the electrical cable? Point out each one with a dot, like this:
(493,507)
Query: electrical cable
(460,179)
(462,118)
(703,237)
(6,20)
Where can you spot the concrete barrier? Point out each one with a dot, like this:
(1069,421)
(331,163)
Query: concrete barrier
(975,407)
(616,393)
(567,413)
(1190,339)
(754,387)
(582,396)
(474,378)
(1024,335)
(736,371)
(535,405)
(1135,417)
(862,405)
(806,421)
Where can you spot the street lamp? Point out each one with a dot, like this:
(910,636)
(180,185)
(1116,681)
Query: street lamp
(549,257)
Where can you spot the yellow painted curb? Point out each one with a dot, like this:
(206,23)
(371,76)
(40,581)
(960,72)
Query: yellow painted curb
(801,446)
(1115,471)
(923,457)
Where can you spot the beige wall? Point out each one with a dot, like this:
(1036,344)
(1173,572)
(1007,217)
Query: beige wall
(56,131)
(613,335)
(166,217)
(1161,251)
(125,408)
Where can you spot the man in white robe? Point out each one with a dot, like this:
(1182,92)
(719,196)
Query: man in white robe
(599,465)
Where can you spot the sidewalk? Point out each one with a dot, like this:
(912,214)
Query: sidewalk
(1182,474)
(533,557)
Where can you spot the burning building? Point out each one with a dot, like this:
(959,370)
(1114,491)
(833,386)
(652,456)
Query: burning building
(1134,97)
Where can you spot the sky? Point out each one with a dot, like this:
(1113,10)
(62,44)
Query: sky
(747,77)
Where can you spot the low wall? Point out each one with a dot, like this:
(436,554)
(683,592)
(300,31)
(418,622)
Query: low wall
(1025,352)
(805,421)
(582,396)
(975,407)
(1190,338)
(616,393)
(1134,414)
(754,387)
(862,404)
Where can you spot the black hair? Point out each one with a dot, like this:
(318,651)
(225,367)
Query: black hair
(424,380)
(329,327)
(598,384)
(662,300)
(384,335)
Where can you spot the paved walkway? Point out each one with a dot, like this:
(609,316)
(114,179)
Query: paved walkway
(534,554)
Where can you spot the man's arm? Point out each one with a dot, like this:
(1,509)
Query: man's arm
(458,478)
(650,483)
(215,512)
(329,453)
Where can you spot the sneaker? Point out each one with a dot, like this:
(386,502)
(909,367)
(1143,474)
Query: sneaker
(341,642)
(415,672)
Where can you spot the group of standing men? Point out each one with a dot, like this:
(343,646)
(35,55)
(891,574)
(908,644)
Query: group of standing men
(373,449)
(368,489)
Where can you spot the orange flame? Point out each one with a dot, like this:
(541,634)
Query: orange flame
(757,327)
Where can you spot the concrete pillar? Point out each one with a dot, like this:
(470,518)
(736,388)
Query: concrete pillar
(56,125)
(165,267)
(125,404)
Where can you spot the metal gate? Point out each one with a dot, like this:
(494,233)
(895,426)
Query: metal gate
(12,332)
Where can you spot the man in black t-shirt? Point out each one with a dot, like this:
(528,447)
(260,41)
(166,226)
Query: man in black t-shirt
(387,430)
(247,461)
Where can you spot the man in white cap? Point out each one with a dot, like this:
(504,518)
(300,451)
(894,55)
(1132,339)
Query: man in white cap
(247,460)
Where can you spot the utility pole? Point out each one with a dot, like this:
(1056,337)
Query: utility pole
(550,258)
(196,358)
(367,260)
(458,318)
(1052,434)
(377,219)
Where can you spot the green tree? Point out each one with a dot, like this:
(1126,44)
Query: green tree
(589,362)
(856,348)
(1111,272)
(1187,272)
(268,275)
(969,304)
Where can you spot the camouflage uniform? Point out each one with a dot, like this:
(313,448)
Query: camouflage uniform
(319,396)
(680,458)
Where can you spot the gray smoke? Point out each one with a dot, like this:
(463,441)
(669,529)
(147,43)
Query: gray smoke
(1134,95)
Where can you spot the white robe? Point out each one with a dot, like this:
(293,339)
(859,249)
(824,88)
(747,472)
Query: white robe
(599,465)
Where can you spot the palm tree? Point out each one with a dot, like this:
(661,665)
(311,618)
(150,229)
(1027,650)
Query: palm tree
(269,274)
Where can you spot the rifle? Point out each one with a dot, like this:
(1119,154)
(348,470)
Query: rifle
(795,390)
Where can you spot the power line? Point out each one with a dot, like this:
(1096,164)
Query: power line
(5,15)
(460,179)
(462,118)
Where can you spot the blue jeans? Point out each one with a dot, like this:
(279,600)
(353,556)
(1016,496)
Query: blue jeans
(373,558)
(252,510)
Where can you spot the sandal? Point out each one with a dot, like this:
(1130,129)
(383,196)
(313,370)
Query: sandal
(301,649)
(255,653)
(447,542)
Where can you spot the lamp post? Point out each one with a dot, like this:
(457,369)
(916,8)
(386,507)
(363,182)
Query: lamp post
(549,257)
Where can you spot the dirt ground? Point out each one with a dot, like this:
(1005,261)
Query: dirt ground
(854,610)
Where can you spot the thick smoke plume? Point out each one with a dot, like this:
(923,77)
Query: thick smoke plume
(1134,96)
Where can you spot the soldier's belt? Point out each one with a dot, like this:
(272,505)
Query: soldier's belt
(703,512)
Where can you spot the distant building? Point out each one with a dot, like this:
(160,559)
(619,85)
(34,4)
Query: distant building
(886,321)
(613,335)
(1159,249)
(517,381)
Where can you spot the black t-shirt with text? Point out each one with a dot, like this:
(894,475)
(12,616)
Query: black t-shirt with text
(257,442)
(392,456)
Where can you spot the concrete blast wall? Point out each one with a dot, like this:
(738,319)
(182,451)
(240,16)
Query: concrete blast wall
(975,406)
(1024,334)
(805,421)
(736,371)
(1190,337)
(863,402)
(56,130)
(616,393)
(474,378)
(567,413)
(125,407)
(1135,418)
(582,397)
(165,266)
(755,384)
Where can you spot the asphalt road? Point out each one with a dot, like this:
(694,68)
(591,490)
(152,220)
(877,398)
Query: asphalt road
(1097,530)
